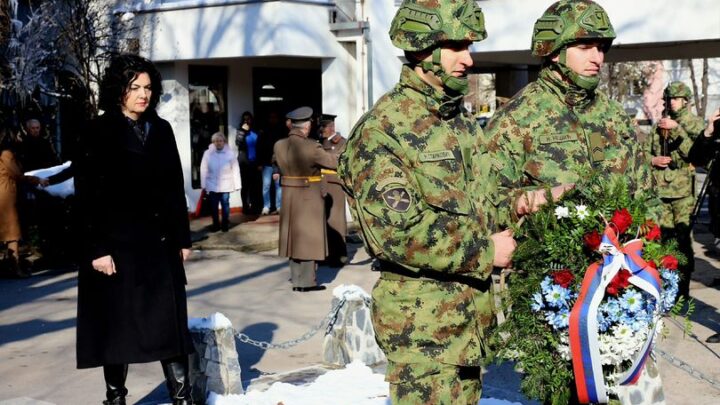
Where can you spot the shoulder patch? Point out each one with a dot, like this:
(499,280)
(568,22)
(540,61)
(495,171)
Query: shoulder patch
(397,199)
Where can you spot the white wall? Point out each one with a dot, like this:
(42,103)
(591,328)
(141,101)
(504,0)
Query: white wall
(260,29)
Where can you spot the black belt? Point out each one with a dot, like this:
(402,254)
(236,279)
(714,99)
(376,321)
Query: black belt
(395,272)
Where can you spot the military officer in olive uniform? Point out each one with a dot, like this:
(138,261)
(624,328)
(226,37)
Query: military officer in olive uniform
(333,194)
(421,189)
(561,125)
(302,218)
(674,175)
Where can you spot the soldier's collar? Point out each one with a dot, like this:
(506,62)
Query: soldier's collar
(572,94)
(438,101)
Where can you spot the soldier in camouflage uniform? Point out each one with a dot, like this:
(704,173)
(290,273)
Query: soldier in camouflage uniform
(674,175)
(560,125)
(420,188)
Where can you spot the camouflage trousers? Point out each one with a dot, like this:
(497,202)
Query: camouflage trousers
(676,211)
(434,384)
(675,224)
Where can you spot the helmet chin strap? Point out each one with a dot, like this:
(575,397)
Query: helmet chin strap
(589,83)
(457,85)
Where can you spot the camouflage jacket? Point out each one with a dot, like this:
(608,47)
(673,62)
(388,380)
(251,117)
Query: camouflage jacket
(677,182)
(420,190)
(548,134)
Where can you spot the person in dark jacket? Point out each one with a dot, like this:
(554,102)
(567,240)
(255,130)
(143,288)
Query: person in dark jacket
(129,185)
(246,141)
(704,150)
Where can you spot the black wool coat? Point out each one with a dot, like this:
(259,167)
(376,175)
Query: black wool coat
(131,206)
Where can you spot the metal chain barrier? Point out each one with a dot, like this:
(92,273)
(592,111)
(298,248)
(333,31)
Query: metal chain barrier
(687,368)
(683,365)
(328,322)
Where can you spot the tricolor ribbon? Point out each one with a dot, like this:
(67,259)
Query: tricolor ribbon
(584,342)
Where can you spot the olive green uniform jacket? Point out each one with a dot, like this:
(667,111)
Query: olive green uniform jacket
(420,190)
(302,218)
(334,194)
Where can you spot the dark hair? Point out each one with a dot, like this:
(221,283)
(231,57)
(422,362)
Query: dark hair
(123,69)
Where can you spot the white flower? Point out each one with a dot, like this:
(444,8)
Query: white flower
(562,212)
(582,211)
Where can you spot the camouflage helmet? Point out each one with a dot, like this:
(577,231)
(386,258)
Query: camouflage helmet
(678,89)
(568,21)
(423,24)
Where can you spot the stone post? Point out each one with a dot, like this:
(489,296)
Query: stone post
(352,336)
(214,367)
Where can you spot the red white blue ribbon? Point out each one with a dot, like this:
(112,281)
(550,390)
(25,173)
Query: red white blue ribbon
(584,342)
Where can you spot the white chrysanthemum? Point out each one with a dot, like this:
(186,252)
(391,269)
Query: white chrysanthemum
(621,332)
(582,212)
(562,212)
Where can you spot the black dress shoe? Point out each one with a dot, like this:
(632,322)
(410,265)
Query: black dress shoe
(313,288)
(714,338)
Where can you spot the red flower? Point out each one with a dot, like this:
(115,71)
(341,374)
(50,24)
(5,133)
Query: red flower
(563,278)
(654,233)
(592,240)
(619,282)
(652,264)
(612,290)
(622,220)
(669,262)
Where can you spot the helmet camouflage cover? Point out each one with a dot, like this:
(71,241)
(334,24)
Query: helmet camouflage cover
(422,24)
(568,21)
(678,89)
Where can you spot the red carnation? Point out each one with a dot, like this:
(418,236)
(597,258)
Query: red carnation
(669,262)
(654,233)
(563,278)
(621,281)
(622,220)
(592,240)
(652,264)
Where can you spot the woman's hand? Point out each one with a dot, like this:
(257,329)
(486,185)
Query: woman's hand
(185,254)
(104,265)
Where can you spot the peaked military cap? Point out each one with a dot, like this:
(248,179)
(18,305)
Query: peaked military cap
(300,114)
(326,118)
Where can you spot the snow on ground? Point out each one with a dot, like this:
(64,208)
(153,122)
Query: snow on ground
(354,385)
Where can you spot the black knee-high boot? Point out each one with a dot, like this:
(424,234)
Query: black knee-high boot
(178,383)
(115,375)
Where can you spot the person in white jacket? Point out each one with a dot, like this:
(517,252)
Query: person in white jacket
(219,175)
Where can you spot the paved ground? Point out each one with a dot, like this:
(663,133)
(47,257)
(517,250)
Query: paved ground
(37,323)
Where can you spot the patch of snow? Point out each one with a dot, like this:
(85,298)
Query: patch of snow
(356,384)
(215,321)
(350,292)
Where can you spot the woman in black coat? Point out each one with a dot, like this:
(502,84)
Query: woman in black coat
(129,184)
